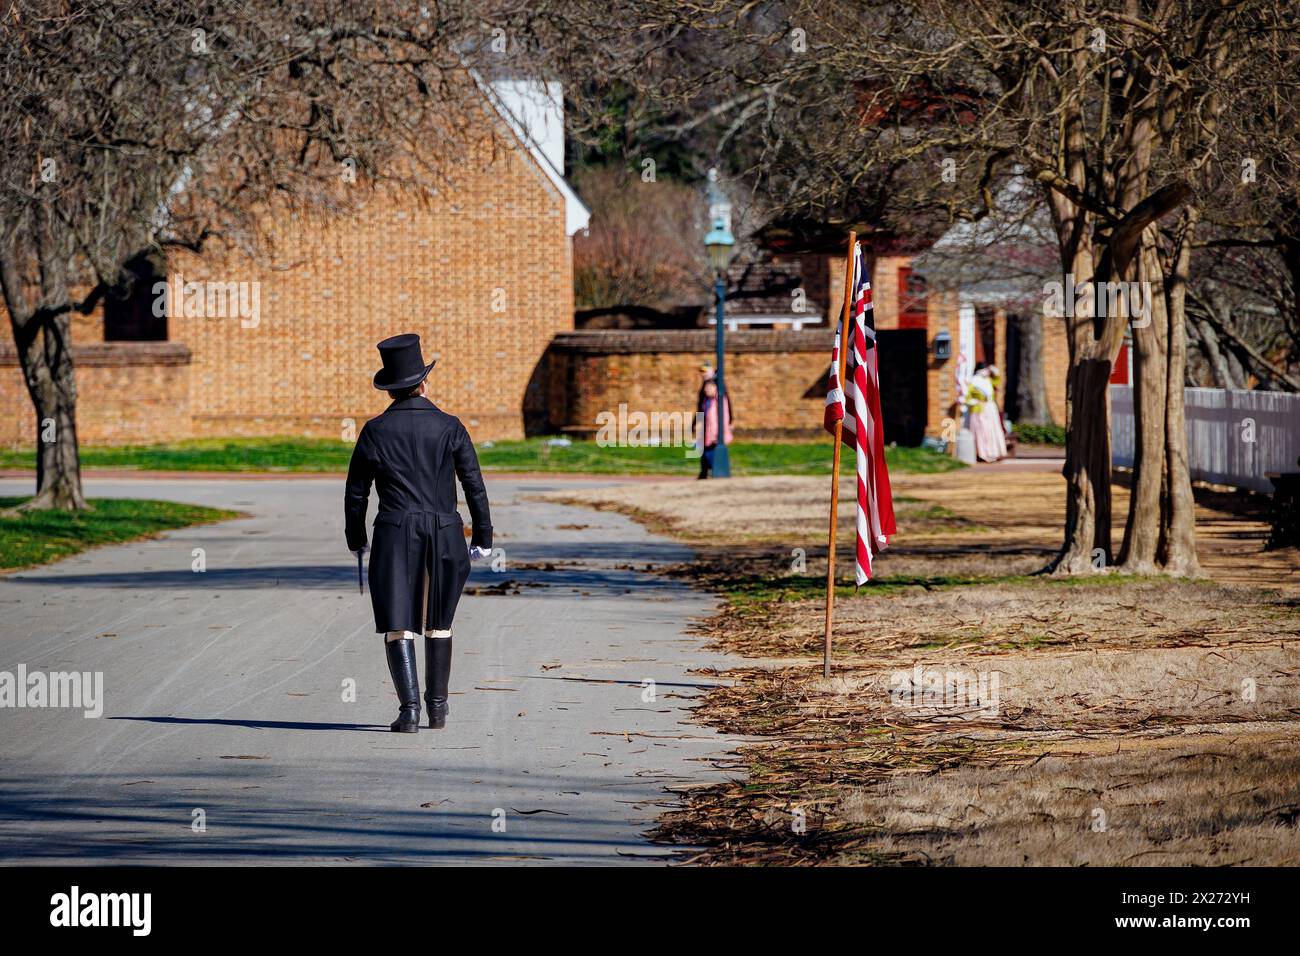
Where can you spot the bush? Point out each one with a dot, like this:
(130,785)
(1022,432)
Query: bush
(1039,434)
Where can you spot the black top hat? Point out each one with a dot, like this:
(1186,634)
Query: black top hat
(403,364)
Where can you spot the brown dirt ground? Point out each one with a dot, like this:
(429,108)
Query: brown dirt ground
(978,715)
(999,520)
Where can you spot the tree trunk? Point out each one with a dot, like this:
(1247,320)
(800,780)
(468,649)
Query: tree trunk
(1224,366)
(1161,530)
(1142,532)
(33,279)
(1031,381)
(1087,417)
(1087,468)
(1178,547)
(51,382)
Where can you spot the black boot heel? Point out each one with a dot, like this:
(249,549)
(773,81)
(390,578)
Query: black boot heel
(437,673)
(406,681)
(437,714)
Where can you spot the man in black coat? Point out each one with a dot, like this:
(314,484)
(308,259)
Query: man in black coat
(419,561)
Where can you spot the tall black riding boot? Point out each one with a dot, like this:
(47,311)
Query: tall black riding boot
(406,681)
(437,672)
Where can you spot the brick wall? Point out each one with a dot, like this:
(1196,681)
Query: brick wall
(128,392)
(940,382)
(884,289)
(1056,365)
(481,271)
(776,379)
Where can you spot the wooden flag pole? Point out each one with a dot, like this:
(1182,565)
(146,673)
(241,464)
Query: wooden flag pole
(846,342)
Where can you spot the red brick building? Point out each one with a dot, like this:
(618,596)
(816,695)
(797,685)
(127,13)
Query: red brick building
(778,355)
(482,271)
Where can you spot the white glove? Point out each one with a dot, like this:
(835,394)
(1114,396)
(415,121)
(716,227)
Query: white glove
(476,552)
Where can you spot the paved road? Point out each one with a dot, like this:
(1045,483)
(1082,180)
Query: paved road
(225,693)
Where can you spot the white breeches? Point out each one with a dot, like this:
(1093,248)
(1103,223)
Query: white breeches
(412,635)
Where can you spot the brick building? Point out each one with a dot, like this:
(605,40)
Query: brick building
(778,358)
(483,271)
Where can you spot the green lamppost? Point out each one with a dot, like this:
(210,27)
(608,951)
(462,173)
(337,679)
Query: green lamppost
(719,243)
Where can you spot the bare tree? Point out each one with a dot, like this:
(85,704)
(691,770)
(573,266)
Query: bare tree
(143,125)
(1240,309)
(643,246)
(912,115)
(1243,304)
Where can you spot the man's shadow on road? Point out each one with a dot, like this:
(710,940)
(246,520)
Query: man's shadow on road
(342,578)
(260,724)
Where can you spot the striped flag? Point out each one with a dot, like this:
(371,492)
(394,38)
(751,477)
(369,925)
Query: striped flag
(863,427)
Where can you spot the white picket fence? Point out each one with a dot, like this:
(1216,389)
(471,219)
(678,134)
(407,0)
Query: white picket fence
(1233,437)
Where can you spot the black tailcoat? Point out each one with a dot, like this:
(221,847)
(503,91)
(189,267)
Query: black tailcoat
(413,453)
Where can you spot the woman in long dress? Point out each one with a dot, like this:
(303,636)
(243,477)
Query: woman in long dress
(985,418)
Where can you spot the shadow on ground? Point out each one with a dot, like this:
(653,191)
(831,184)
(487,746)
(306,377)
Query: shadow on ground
(593,565)
(118,819)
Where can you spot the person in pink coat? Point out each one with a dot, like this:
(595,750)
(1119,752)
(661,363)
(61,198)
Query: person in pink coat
(707,414)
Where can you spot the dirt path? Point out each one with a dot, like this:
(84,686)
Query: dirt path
(979,714)
(993,519)
(1028,506)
